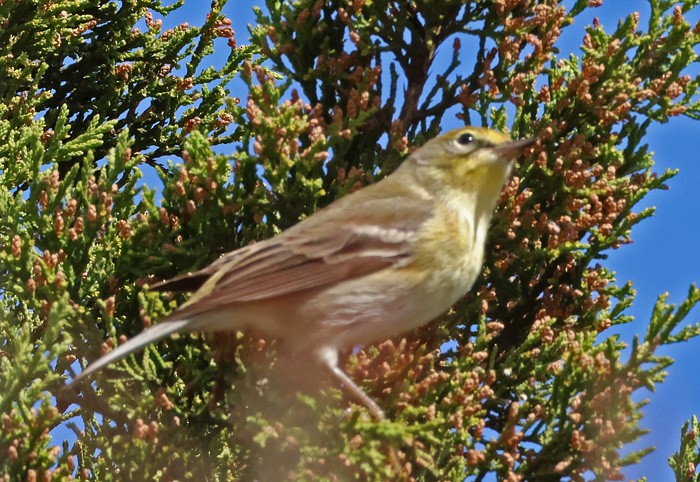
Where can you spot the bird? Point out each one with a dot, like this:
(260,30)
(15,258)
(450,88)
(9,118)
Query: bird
(381,261)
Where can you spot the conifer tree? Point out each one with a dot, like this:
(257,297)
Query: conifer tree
(130,153)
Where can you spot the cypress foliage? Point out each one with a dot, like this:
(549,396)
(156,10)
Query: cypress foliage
(127,157)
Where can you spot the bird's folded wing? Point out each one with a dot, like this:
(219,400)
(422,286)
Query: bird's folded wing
(315,253)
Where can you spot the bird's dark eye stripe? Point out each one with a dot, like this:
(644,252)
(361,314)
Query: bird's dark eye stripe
(465,139)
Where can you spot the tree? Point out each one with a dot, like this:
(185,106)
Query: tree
(518,380)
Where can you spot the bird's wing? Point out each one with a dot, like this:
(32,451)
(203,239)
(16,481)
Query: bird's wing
(319,251)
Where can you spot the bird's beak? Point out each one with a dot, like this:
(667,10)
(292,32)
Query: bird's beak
(513,148)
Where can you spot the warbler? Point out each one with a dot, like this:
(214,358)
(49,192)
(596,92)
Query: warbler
(381,261)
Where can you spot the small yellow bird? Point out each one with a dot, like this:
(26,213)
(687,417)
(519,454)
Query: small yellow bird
(381,261)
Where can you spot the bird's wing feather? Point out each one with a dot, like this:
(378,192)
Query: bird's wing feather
(149,335)
(317,252)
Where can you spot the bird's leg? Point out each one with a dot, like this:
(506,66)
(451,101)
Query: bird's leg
(329,358)
(356,392)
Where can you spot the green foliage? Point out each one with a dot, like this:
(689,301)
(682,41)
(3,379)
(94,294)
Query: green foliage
(95,61)
(531,386)
(684,462)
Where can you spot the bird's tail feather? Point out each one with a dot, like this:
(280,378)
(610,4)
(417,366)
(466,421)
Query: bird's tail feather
(149,335)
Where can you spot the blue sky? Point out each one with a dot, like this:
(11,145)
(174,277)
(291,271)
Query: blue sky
(663,258)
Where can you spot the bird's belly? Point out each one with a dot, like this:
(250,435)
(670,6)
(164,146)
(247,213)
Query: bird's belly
(358,312)
(361,310)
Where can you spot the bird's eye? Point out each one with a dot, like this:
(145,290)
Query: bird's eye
(465,139)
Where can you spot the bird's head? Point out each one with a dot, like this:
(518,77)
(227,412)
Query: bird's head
(470,159)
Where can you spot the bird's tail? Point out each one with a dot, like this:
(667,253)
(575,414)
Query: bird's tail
(149,335)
